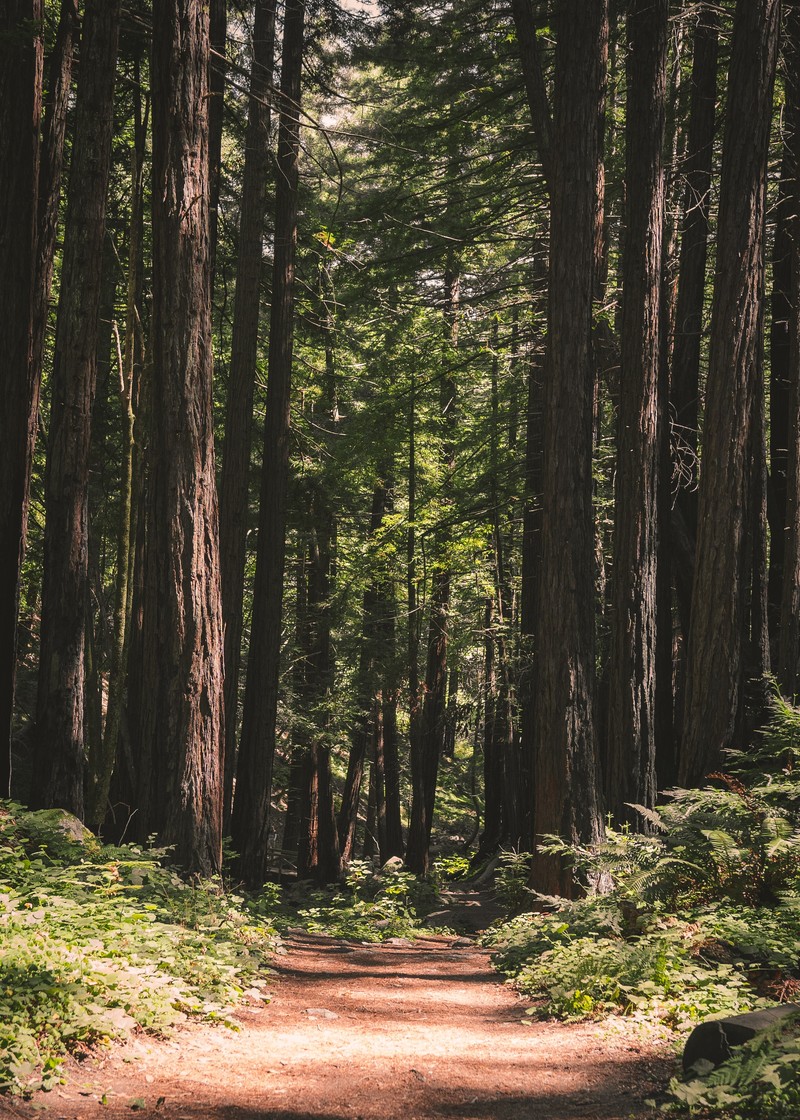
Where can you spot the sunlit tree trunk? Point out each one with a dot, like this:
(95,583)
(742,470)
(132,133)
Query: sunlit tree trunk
(180,795)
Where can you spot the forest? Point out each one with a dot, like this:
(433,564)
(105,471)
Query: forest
(400,453)
(352,423)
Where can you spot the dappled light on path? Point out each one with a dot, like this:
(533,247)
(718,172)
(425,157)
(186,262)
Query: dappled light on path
(376,1032)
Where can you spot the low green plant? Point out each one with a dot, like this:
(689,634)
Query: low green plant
(760,1081)
(699,916)
(372,905)
(451,868)
(95,941)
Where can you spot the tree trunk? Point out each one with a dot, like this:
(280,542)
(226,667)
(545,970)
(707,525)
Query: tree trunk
(129,363)
(20,110)
(432,722)
(241,386)
(250,819)
(715,642)
(533,76)
(394,828)
(631,727)
(788,666)
(218,41)
(492,834)
(60,728)
(565,774)
(54,129)
(691,290)
(366,689)
(183,718)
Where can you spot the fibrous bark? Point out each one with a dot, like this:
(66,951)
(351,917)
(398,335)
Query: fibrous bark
(60,730)
(631,752)
(241,385)
(180,796)
(250,820)
(715,665)
(20,111)
(565,768)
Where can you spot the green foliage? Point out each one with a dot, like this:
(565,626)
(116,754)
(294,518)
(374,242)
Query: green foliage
(698,916)
(374,905)
(451,868)
(511,882)
(95,941)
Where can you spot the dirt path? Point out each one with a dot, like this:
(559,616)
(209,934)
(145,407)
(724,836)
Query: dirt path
(413,1032)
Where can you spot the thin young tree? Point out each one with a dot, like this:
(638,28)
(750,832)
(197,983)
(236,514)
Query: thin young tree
(180,794)
(715,663)
(21,60)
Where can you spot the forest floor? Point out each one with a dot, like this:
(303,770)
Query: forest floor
(413,1031)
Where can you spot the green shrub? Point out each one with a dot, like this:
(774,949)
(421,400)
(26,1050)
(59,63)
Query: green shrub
(96,940)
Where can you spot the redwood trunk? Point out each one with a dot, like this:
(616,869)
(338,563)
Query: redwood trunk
(566,798)
(250,820)
(20,110)
(60,730)
(685,386)
(181,780)
(715,666)
(631,749)
(789,645)
(241,386)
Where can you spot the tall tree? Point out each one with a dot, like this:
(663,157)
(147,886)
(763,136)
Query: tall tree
(631,750)
(432,720)
(685,387)
(565,767)
(101,767)
(241,384)
(250,819)
(715,644)
(54,127)
(21,60)
(788,664)
(182,720)
(218,43)
(60,728)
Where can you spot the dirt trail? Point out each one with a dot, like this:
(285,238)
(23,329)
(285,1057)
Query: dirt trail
(378,1032)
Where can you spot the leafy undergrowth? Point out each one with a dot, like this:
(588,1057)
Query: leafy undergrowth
(98,941)
(699,918)
(370,905)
